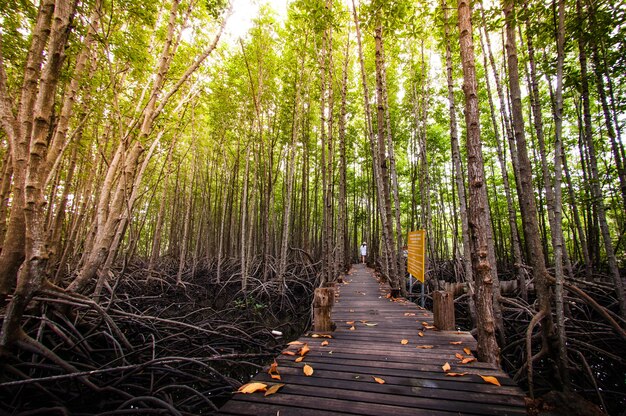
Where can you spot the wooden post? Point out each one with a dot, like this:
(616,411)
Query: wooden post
(443,310)
(323,301)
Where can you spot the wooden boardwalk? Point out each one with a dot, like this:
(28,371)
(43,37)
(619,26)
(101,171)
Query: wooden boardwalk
(414,381)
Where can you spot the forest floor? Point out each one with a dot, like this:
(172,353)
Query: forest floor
(149,346)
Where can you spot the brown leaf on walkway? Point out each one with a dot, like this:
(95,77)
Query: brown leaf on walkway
(308,370)
(299,359)
(404,341)
(456,374)
(378,380)
(350,322)
(273,371)
(321,336)
(370,324)
(388,295)
(459,356)
(424,323)
(490,380)
(295,343)
(252,387)
(429,327)
(273,389)
(456,342)
(468,360)
(421,334)
(446,367)
(425,347)
(409,314)
(289,353)
(352,328)
(467,351)
(324,343)
(304,350)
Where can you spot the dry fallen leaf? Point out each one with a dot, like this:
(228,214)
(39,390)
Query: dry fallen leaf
(425,323)
(409,314)
(456,342)
(456,374)
(352,328)
(273,371)
(370,324)
(294,343)
(299,359)
(425,347)
(321,336)
(388,295)
(350,322)
(363,321)
(324,343)
(467,351)
(429,327)
(273,389)
(302,351)
(379,380)
(490,380)
(468,360)
(308,370)
(459,356)
(446,367)
(289,353)
(421,334)
(252,387)
(404,341)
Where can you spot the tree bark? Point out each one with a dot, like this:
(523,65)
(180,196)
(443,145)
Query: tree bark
(478,218)
(458,169)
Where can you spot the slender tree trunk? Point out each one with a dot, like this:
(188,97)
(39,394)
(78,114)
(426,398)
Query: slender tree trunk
(158,228)
(518,262)
(458,169)
(478,218)
(526,194)
(394,174)
(557,231)
(387,220)
(377,176)
(5,190)
(596,191)
(243,227)
(342,219)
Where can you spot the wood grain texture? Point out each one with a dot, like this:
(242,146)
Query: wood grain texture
(415,383)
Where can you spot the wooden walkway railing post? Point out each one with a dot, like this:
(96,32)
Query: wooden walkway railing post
(443,310)
(323,301)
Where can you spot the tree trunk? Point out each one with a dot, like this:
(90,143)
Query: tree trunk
(557,232)
(526,192)
(342,217)
(596,191)
(18,130)
(387,219)
(518,261)
(458,169)
(478,218)
(32,274)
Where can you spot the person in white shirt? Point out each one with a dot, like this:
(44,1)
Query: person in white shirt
(363,252)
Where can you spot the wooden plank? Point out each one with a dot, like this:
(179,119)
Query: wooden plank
(343,383)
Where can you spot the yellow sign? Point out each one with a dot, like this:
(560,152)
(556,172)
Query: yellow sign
(417,257)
